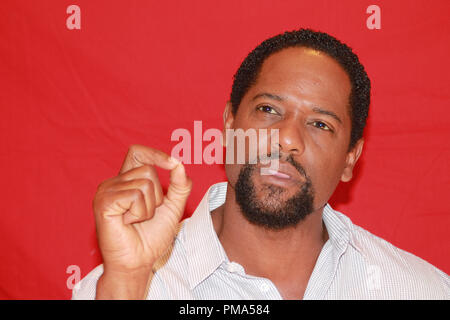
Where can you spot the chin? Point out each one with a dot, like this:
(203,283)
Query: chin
(272,196)
(272,204)
(274,190)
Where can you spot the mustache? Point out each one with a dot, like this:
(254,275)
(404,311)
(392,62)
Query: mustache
(286,158)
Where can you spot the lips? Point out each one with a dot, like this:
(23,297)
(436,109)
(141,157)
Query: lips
(285,171)
(277,174)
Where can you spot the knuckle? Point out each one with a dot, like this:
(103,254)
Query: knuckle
(180,191)
(147,171)
(99,203)
(133,147)
(147,185)
(133,153)
(183,189)
(101,186)
(138,195)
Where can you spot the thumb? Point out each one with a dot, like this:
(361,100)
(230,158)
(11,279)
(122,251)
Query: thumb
(180,186)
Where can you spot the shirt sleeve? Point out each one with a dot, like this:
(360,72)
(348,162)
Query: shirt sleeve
(87,287)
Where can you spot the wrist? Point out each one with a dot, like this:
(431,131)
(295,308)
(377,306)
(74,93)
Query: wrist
(124,285)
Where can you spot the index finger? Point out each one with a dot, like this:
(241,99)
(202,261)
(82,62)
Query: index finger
(139,156)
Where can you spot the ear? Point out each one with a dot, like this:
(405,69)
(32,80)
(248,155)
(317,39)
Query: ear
(228,120)
(352,158)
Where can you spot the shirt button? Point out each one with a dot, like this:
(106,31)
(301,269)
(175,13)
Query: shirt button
(264,287)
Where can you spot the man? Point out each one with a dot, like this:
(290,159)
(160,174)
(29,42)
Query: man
(260,236)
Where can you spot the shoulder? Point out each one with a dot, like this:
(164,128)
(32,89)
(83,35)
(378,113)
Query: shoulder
(400,274)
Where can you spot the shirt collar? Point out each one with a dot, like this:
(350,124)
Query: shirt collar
(338,228)
(204,252)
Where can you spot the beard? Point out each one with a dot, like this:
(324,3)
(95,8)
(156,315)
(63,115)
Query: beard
(272,211)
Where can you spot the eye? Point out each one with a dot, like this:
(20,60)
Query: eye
(321,125)
(267,109)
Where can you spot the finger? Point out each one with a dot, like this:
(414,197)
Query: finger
(180,187)
(145,172)
(139,155)
(147,189)
(138,210)
(130,204)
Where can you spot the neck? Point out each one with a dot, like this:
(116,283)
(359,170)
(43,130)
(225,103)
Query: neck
(283,256)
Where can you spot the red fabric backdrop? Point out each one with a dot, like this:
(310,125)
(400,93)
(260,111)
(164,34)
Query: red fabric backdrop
(72,101)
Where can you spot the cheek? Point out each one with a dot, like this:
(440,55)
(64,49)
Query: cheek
(325,176)
(246,145)
(232,172)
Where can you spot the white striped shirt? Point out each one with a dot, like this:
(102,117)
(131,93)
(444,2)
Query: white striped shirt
(353,264)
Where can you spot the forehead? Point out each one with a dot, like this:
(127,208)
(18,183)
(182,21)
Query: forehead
(305,74)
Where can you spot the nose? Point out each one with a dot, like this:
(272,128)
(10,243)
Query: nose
(291,137)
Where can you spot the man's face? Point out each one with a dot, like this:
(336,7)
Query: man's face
(305,95)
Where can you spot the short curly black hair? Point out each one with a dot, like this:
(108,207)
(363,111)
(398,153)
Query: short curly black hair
(247,73)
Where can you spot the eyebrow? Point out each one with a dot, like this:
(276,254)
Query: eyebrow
(315,109)
(328,113)
(268,95)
